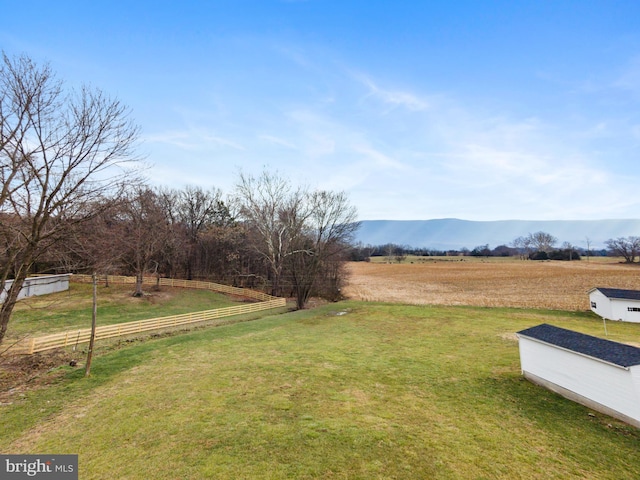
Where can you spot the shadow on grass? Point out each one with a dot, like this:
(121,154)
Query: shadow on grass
(549,409)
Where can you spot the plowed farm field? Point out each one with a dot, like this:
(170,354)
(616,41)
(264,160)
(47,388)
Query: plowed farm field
(511,283)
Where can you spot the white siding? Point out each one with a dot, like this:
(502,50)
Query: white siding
(602,304)
(608,385)
(620,310)
(614,308)
(39,286)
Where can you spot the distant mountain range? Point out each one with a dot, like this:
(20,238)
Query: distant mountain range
(455,234)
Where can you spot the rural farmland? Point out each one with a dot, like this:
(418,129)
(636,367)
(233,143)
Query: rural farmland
(354,389)
(311,239)
(489,283)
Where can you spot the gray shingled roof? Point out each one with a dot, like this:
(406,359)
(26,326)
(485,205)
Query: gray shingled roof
(612,352)
(620,293)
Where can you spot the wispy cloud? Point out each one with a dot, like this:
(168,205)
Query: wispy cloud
(277,141)
(317,134)
(394,98)
(376,158)
(401,154)
(192,140)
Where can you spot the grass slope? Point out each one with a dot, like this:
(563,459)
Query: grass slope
(73,308)
(349,390)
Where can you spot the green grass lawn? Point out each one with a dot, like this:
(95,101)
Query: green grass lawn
(73,308)
(347,390)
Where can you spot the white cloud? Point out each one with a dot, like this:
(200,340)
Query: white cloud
(277,141)
(176,139)
(192,140)
(403,155)
(394,98)
(377,158)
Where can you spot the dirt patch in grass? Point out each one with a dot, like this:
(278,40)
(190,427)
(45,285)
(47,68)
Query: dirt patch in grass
(149,296)
(22,373)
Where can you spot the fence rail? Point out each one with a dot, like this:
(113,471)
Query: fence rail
(73,337)
(172,282)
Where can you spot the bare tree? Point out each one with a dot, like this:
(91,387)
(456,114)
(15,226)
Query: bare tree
(361,252)
(270,208)
(390,251)
(626,247)
(569,248)
(199,210)
(146,231)
(225,257)
(523,246)
(93,245)
(59,151)
(542,241)
(332,276)
(328,225)
(297,233)
(172,255)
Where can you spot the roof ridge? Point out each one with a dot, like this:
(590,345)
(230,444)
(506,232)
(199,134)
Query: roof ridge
(602,349)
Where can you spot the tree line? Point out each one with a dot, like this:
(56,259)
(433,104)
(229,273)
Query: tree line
(266,234)
(533,246)
(73,199)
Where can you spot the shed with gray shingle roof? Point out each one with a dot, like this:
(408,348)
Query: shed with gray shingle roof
(598,373)
(616,303)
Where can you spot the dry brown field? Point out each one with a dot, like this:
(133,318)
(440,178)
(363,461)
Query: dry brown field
(515,283)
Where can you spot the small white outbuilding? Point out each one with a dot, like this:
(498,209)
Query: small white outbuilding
(598,373)
(616,304)
(42,285)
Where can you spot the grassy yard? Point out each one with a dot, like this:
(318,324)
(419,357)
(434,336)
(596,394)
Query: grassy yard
(348,390)
(72,309)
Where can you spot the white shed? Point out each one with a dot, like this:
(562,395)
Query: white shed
(42,285)
(598,373)
(616,304)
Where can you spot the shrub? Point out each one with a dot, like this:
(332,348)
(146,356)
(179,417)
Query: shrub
(539,255)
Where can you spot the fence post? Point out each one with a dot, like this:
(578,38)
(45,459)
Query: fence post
(266,302)
(94,279)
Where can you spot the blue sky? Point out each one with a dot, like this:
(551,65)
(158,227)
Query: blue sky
(479,110)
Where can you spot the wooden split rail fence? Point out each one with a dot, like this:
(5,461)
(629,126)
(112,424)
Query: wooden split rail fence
(73,337)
